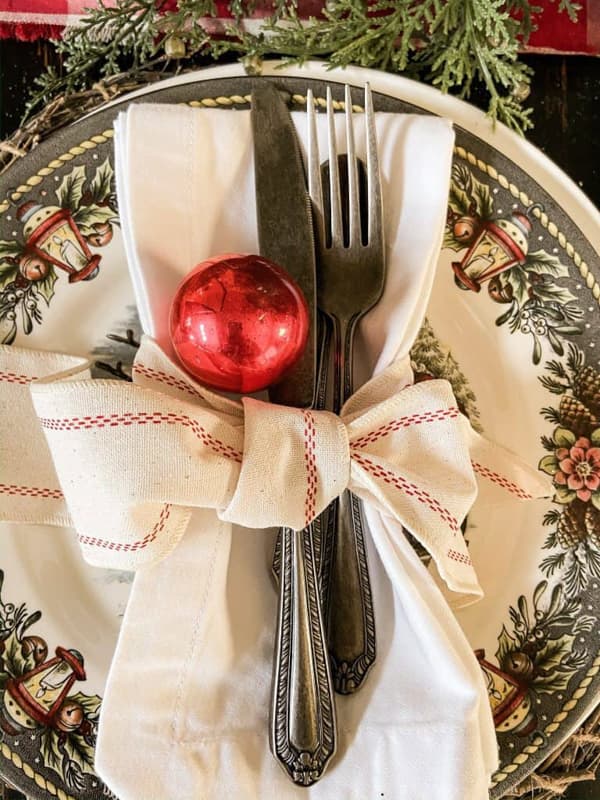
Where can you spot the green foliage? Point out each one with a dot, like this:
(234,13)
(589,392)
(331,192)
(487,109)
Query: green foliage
(468,195)
(8,272)
(451,44)
(50,751)
(90,703)
(507,644)
(11,248)
(71,188)
(87,216)
(554,667)
(14,663)
(45,287)
(80,752)
(101,185)
(517,279)
(542,263)
(430,356)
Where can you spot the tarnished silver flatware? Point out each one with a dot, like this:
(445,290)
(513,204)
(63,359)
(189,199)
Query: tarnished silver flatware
(350,281)
(302,726)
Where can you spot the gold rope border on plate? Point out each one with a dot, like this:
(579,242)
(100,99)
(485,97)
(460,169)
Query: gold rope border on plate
(56,163)
(461,152)
(592,284)
(52,789)
(552,727)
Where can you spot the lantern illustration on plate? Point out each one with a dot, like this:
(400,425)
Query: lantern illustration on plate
(36,697)
(509,699)
(51,233)
(499,245)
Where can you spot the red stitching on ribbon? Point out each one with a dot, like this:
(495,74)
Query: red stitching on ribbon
(460,557)
(438,415)
(142,418)
(12,377)
(31,491)
(131,546)
(502,481)
(164,377)
(408,488)
(311,466)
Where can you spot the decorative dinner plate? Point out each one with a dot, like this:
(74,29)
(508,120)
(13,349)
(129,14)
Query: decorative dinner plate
(512,323)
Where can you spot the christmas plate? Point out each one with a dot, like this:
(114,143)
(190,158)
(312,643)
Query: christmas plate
(513,323)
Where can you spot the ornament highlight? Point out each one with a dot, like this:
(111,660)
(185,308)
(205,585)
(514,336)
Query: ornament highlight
(238,323)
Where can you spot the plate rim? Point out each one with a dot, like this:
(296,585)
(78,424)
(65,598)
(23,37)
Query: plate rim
(532,160)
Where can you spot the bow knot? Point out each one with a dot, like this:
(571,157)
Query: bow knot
(295,463)
(133,460)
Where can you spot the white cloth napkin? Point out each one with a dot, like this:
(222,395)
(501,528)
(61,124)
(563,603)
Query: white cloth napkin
(185,711)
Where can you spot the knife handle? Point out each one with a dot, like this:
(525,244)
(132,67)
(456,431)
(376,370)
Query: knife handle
(303,726)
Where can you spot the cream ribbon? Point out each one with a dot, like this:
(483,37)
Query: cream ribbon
(133,460)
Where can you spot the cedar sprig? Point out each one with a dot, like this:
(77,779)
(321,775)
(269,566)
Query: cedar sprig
(454,45)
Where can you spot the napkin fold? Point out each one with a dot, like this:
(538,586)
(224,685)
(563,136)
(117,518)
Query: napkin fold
(193,663)
(186,704)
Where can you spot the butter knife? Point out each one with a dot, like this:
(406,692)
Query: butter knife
(302,724)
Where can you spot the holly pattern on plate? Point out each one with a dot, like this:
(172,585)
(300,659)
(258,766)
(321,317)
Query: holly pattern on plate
(54,236)
(541,649)
(539,655)
(496,251)
(37,698)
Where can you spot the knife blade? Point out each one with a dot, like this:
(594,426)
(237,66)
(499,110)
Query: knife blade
(285,229)
(302,724)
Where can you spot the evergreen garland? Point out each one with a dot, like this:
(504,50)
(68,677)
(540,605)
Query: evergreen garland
(451,44)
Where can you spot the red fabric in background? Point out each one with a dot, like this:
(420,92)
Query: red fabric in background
(557,34)
(33,19)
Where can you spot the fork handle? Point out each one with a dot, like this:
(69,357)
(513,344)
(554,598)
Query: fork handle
(346,584)
(303,728)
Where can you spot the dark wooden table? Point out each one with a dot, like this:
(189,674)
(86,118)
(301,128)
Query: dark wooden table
(565,99)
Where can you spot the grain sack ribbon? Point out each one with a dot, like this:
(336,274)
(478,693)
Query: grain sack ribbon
(133,460)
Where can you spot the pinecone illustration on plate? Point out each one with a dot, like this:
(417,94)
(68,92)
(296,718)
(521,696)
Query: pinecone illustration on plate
(586,388)
(592,525)
(571,528)
(575,416)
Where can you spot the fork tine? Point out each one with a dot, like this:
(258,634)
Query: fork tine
(354,237)
(375,206)
(337,236)
(315,187)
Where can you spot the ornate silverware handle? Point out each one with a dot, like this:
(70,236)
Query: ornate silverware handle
(303,728)
(346,585)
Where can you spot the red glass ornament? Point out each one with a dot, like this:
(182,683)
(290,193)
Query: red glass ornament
(238,323)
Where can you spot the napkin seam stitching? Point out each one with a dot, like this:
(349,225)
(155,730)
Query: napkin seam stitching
(194,638)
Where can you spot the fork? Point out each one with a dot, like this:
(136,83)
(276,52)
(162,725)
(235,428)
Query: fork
(350,281)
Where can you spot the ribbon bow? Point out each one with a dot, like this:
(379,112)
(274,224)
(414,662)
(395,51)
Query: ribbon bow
(134,460)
